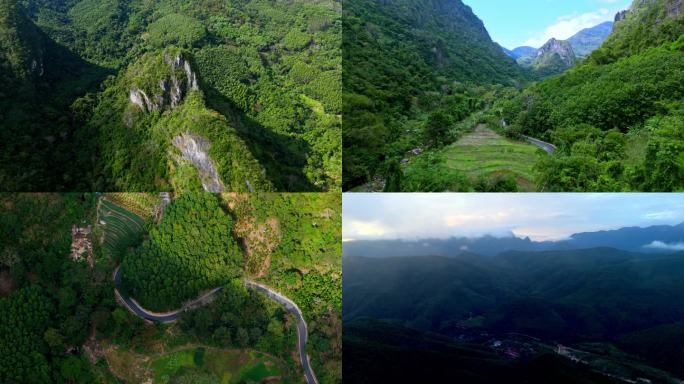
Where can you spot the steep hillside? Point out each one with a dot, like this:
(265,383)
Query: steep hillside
(21,47)
(405,60)
(271,70)
(157,131)
(647,23)
(39,81)
(616,118)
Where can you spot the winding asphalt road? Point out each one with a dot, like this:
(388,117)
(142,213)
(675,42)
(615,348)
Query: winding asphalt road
(548,147)
(301,325)
(169,317)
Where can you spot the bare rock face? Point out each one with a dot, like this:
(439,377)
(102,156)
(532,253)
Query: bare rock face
(195,149)
(172,89)
(560,47)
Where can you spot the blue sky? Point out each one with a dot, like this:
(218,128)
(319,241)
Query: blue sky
(537,215)
(513,23)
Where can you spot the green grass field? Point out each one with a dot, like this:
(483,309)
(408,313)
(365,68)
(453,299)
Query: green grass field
(226,366)
(122,228)
(486,153)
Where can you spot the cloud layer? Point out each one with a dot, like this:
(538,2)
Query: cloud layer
(539,216)
(666,246)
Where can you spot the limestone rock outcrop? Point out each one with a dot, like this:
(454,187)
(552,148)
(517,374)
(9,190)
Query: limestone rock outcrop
(172,87)
(195,149)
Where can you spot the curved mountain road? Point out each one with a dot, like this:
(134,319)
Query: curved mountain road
(169,317)
(548,147)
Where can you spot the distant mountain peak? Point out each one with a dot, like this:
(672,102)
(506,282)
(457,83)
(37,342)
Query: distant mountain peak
(557,55)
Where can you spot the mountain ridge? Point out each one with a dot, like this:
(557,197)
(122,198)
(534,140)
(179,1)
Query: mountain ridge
(633,239)
(557,56)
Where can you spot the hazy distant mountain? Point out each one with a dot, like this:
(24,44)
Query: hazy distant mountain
(521,51)
(587,40)
(660,238)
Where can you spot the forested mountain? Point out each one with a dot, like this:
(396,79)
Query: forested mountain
(557,56)
(269,76)
(592,299)
(554,57)
(616,117)
(408,63)
(658,239)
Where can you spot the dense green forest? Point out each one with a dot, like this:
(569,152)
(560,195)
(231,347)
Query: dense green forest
(61,321)
(190,250)
(305,265)
(264,95)
(615,117)
(49,302)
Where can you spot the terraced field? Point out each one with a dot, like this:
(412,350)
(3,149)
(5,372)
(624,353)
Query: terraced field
(224,366)
(122,228)
(486,153)
(145,205)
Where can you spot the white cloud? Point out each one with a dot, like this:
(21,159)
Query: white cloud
(667,246)
(568,25)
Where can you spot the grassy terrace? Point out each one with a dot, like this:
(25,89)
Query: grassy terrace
(225,366)
(486,153)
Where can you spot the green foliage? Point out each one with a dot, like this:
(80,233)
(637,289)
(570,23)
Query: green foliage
(176,29)
(648,24)
(437,130)
(23,319)
(429,173)
(102,144)
(595,114)
(135,144)
(53,300)
(190,251)
(394,177)
(402,61)
(296,39)
(238,317)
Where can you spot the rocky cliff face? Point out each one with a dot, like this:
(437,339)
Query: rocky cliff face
(172,87)
(195,149)
(558,47)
